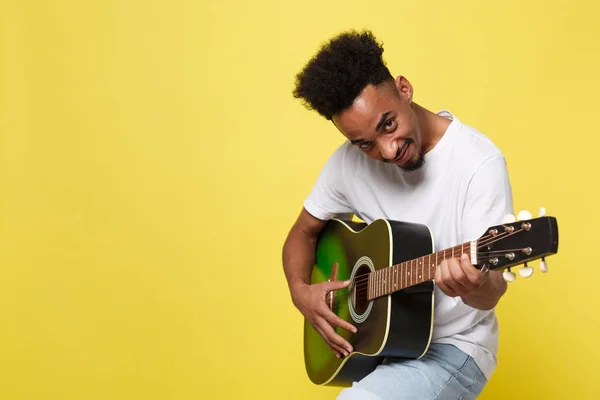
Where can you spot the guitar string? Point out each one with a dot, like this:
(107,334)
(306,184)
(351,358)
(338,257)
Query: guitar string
(362,282)
(444,253)
(484,242)
(363,279)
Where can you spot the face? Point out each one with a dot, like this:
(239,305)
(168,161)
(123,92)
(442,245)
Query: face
(382,124)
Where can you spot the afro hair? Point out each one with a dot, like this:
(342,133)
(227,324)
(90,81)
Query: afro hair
(341,69)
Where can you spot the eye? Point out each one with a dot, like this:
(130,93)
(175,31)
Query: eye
(390,125)
(364,145)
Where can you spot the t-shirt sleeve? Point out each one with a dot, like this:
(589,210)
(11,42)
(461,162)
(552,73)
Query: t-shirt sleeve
(327,199)
(489,198)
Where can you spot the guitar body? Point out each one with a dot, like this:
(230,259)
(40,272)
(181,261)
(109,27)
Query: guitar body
(395,325)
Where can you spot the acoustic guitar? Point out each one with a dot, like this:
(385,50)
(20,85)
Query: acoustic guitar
(392,265)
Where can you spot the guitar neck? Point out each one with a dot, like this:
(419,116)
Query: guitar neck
(413,272)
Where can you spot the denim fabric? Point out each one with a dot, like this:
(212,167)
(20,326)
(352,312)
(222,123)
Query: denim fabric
(444,372)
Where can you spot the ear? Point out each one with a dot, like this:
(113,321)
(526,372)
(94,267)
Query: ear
(404,88)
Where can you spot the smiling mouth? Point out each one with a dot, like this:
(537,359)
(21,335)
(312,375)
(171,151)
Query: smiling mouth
(402,151)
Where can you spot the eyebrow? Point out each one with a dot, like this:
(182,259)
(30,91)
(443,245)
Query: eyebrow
(379,125)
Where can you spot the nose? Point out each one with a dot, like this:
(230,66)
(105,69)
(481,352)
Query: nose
(388,148)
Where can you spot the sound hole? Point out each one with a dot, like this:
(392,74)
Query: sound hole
(360,300)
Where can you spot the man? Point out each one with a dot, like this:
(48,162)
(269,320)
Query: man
(406,163)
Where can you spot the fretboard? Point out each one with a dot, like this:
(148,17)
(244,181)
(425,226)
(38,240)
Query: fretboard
(400,276)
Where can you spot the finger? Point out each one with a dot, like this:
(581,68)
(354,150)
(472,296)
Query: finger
(325,329)
(337,321)
(447,279)
(336,350)
(446,289)
(319,328)
(472,273)
(334,337)
(463,284)
(335,285)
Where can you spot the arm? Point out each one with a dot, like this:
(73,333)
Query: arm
(298,261)
(488,199)
(298,251)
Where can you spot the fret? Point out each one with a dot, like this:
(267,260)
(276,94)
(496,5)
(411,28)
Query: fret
(373,279)
(400,284)
(376,282)
(389,281)
(415,273)
(405,270)
(385,281)
(429,268)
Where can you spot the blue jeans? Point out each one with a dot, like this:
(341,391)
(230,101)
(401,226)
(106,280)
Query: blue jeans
(444,372)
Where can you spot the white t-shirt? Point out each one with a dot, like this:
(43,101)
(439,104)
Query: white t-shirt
(462,189)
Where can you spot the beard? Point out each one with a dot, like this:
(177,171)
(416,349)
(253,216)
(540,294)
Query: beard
(414,165)
(411,165)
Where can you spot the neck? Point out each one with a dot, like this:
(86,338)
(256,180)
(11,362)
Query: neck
(410,273)
(432,126)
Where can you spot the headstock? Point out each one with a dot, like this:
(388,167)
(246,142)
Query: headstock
(516,242)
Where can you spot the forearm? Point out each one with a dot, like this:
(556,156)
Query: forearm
(298,259)
(488,294)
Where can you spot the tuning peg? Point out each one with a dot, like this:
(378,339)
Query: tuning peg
(541,212)
(508,218)
(526,271)
(543,265)
(524,215)
(509,276)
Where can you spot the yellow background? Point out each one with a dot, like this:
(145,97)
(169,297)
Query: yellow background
(153,159)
